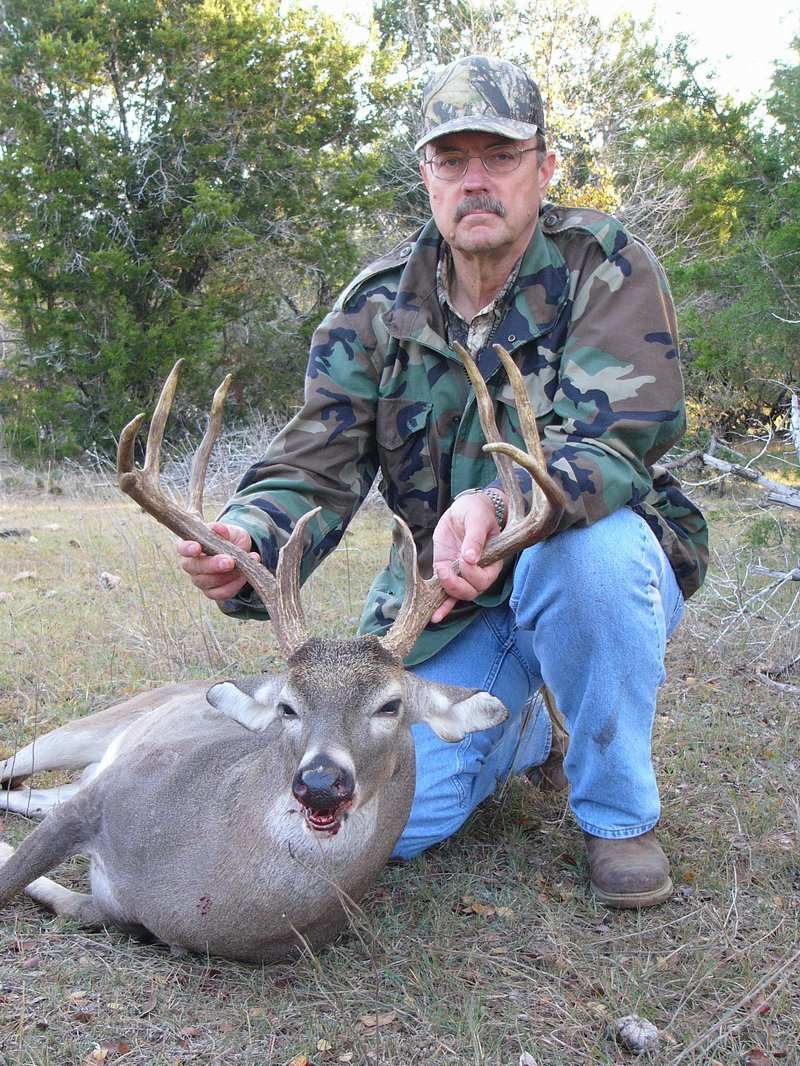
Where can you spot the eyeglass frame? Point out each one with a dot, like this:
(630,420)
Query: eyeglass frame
(467,157)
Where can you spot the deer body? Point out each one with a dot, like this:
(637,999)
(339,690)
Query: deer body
(191,818)
(247,820)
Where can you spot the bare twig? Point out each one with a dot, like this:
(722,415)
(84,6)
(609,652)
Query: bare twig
(782,685)
(780,974)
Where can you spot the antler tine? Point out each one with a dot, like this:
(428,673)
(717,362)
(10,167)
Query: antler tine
(197,478)
(527,419)
(423,596)
(505,469)
(155,435)
(290,619)
(532,459)
(420,601)
(143,486)
(547,497)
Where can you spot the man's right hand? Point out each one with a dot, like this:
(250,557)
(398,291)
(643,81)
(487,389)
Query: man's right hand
(215,575)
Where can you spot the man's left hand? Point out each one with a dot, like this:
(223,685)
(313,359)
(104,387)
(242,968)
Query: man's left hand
(458,542)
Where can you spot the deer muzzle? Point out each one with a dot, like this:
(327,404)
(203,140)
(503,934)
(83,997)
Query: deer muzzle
(325,792)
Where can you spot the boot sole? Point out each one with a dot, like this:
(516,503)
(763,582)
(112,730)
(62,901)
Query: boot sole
(635,900)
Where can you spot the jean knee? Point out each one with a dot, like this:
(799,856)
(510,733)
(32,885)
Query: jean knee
(450,784)
(452,779)
(595,569)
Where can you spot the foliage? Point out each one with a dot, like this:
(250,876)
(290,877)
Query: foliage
(158,155)
(735,256)
(200,177)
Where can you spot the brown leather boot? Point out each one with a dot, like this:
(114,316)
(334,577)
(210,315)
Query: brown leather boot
(550,776)
(628,872)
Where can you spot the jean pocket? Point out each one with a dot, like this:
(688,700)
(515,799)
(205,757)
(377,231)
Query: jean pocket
(677,614)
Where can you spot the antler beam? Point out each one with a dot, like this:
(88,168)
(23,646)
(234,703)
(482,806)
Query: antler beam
(525,526)
(279,594)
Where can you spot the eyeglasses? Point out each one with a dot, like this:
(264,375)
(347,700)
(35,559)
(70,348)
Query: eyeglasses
(450,166)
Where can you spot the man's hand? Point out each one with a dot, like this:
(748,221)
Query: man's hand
(215,575)
(458,542)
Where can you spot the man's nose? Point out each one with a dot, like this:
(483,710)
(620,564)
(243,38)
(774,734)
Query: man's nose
(476,176)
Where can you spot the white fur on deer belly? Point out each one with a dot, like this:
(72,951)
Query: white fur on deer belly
(109,755)
(104,893)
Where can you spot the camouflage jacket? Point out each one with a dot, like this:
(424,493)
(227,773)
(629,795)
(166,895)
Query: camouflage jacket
(591,325)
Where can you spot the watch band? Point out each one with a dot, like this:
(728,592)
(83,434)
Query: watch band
(497,500)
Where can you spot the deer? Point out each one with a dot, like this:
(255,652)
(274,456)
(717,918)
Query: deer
(246,818)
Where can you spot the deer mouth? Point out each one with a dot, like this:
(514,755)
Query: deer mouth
(326,821)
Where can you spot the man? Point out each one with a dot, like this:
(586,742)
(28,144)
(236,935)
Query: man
(585,311)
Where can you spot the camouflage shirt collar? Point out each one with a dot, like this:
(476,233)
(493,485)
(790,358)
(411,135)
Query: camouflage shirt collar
(473,335)
(535,297)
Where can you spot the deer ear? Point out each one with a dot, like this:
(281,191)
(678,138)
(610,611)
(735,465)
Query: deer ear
(451,711)
(255,711)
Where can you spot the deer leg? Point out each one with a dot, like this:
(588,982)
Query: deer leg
(80,906)
(71,747)
(35,802)
(81,743)
(60,836)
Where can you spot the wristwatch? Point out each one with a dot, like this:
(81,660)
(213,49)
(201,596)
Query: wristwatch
(497,499)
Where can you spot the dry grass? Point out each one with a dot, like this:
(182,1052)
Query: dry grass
(545,977)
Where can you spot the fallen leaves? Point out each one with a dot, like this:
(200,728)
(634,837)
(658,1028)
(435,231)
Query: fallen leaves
(469,905)
(106,1052)
(150,1004)
(756,1057)
(377,1021)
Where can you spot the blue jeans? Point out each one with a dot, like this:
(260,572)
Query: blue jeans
(589,615)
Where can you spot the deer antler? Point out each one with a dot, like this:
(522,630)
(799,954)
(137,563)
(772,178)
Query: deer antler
(423,596)
(279,594)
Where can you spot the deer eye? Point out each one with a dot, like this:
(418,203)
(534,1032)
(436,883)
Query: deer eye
(390,709)
(285,711)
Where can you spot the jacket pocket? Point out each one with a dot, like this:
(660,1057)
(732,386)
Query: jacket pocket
(402,431)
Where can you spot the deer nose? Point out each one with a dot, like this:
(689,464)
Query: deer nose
(323,785)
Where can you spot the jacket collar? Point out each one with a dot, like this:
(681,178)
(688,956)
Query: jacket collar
(538,294)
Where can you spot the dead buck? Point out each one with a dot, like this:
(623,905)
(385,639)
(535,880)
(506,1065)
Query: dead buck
(244,819)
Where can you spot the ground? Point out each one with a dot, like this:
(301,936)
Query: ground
(484,950)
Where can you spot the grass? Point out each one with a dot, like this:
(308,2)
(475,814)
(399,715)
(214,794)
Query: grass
(546,975)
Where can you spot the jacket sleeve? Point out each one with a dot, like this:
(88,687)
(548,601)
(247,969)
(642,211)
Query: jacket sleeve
(325,457)
(618,401)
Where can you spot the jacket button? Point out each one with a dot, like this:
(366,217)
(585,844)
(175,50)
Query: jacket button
(551,220)
(511,338)
(405,252)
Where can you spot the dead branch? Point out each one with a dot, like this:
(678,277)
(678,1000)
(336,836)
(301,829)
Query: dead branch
(777,491)
(764,679)
(683,460)
(791,575)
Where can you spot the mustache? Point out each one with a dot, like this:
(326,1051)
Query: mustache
(479,203)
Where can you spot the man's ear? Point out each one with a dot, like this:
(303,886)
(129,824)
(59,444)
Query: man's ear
(546,171)
(451,711)
(250,702)
(423,170)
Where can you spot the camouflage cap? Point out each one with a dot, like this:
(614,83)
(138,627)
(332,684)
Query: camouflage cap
(481,93)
